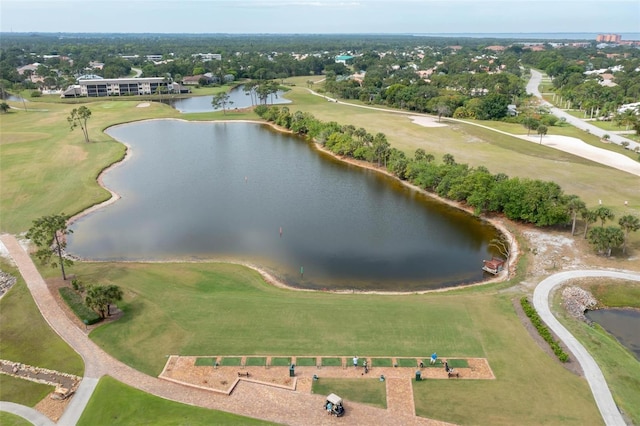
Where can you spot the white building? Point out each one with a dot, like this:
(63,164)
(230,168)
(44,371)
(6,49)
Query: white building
(117,87)
(205,57)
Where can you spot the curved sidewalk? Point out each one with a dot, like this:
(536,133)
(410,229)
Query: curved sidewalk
(607,406)
(248,399)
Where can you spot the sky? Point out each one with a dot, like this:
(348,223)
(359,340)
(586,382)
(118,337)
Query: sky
(320,16)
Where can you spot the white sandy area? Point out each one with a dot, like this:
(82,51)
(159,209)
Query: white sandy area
(425,121)
(577,147)
(143,105)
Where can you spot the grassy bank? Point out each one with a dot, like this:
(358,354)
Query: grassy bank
(620,368)
(220,309)
(615,293)
(114,403)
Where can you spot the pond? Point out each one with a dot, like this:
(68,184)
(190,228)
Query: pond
(195,190)
(237,95)
(623,324)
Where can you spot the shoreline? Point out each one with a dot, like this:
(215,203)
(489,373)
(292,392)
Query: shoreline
(272,280)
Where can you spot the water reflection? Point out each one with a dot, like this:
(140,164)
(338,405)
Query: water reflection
(224,190)
(623,324)
(237,95)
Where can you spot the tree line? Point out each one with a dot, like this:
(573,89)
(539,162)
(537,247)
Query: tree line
(541,203)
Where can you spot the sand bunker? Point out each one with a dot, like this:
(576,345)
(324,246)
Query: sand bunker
(577,147)
(143,105)
(426,121)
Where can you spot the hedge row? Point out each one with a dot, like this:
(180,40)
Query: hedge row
(75,302)
(543,330)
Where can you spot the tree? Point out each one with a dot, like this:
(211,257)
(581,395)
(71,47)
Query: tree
(503,246)
(442,109)
(78,118)
(606,239)
(100,298)
(629,223)
(448,159)
(4,107)
(589,217)
(604,213)
(48,233)
(575,205)
(221,100)
(530,124)
(542,130)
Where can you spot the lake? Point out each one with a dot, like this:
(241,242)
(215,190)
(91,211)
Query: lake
(623,324)
(237,95)
(196,190)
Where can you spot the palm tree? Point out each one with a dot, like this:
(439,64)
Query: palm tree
(589,216)
(604,213)
(575,205)
(630,224)
(542,130)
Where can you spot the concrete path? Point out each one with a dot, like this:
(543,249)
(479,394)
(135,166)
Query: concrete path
(607,406)
(532,88)
(78,402)
(27,413)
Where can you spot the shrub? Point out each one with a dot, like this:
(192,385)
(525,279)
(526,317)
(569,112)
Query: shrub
(75,302)
(36,94)
(543,330)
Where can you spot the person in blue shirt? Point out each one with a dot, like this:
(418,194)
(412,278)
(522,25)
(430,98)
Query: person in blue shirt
(434,357)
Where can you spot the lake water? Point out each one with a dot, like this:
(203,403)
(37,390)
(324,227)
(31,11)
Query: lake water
(237,95)
(623,324)
(243,191)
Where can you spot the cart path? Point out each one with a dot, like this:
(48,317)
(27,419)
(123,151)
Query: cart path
(607,406)
(400,396)
(248,399)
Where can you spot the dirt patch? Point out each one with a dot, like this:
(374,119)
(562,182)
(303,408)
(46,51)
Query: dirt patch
(53,409)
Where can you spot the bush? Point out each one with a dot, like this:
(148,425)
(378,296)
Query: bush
(543,330)
(75,302)
(36,94)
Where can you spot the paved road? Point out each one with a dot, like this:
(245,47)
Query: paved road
(532,88)
(608,409)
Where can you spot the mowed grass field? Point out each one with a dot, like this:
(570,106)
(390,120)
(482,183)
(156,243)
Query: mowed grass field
(221,309)
(114,403)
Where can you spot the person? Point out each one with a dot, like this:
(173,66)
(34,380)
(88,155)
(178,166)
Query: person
(329,407)
(364,364)
(446,366)
(434,357)
(355,361)
(421,364)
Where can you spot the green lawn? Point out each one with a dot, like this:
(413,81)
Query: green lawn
(25,337)
(615,293)
(8,419)
(114,403)
(531,388)
(22,391)
(370,391)
(165,319)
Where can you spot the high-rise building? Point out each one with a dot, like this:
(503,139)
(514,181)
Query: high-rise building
(608,38)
